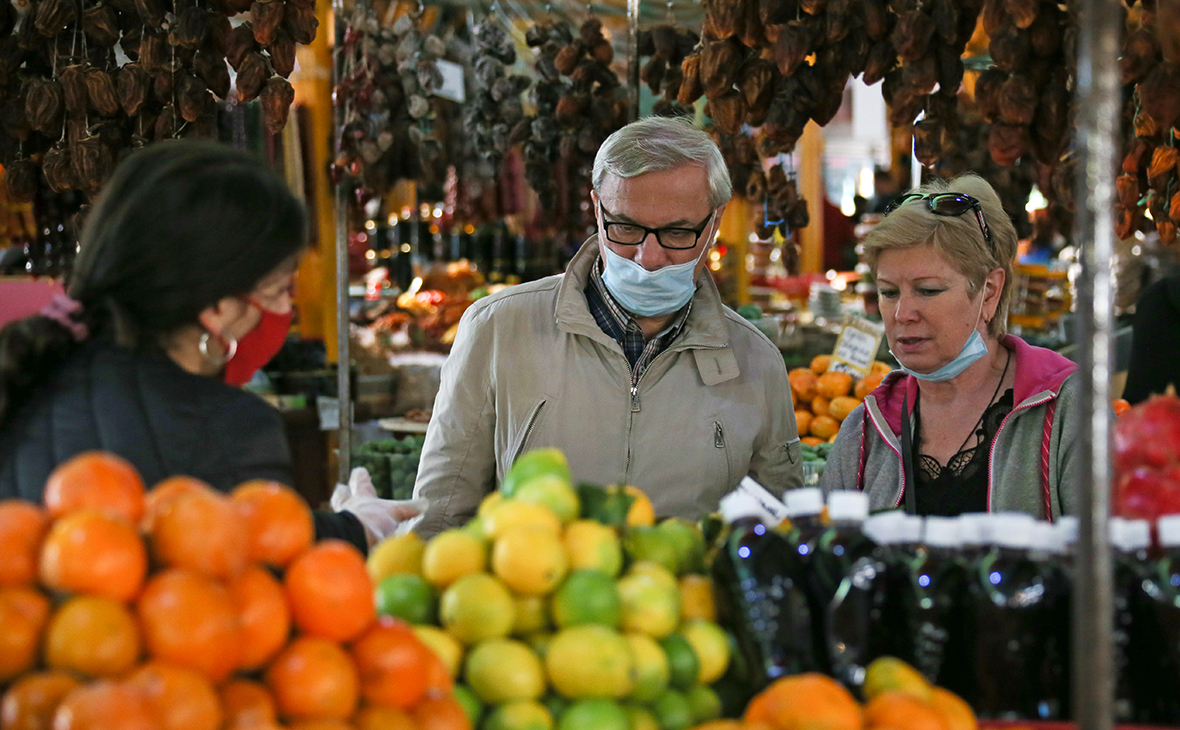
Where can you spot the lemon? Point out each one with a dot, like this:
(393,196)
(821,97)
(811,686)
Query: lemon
(529,560)
(554,492)
(490,502)
(704,703)
(641,513)
(684,666)
(651,667)
(594,714)
(534,464)
(590,661)
(711,644)
(888,673)
(452,554)
(511,515)
(673,711)
(592,545)
(656,572)
(532,615)
(398,554)
(696,597)
(443,644)
(649,604)
(503,670)
(640,717)
(587,597)
(476,607)
(519,715)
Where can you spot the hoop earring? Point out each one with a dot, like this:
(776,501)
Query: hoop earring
(231,348)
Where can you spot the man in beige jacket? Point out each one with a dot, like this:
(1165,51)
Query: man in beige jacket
(628,362)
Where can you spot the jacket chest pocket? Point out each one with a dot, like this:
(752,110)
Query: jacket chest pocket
(527,429)
(720,452)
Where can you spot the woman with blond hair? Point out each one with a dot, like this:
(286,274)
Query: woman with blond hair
(976,419)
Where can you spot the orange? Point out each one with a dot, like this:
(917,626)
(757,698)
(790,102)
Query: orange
(201,531)
(812,440)
(810,701)
(181,698)
(321,725)
(92,635)
(824,427)
(246,702)
(880,368)
(438,675)
(441,713)
(30,701)
(803,421)
(392,663)
(956,714)
(372,717)
(191,620)
(313,678)
(279,521)
(163,493)
(833,383)
(263,613)
(24,613)
(803,383)
(820,364)
(896,709)
(820,405)
(89,552)
(1120,406)
(330,591)
(867,385)
(95,480)
(22,528)
(841,406)
(104,705)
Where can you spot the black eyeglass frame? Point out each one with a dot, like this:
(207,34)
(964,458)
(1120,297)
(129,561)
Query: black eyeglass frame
(606,226)
(934,200)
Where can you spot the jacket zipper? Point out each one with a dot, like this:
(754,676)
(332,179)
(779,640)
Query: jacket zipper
(528,431)
(718,435)
(991,452)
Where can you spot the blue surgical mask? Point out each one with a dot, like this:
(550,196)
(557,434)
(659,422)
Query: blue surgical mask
(649,293)
(973,349)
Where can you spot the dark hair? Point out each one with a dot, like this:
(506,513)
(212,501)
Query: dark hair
(179,226)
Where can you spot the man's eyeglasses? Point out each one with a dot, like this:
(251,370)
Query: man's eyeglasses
(950,205)
(631,234)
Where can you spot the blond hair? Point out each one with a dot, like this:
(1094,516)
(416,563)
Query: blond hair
(957,238)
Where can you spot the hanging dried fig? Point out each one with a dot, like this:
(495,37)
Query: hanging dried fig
(882,59)
(1007,143)
(154,53)
(267,18)
(209,66)
(241,42)
(301,22)
(1138,154)
(282,54)
(167,123)
(1159,94)
(721,18)
(252,75)
(720,63)
(75,94)
(44,105)
(1163,162)
(691,87)
(93,162)
(277,97)
(1018,100)
(911,36)
(101,24)
(22,179)
(151,12)
(987,93)
(50,17)
(132,87)
(928,141)
(728,111)
(58,167)
(191,28)
(100,90)
(1127,190)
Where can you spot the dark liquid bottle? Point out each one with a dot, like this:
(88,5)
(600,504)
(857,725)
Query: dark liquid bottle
(759,582)
(1129,541)
(1156,657)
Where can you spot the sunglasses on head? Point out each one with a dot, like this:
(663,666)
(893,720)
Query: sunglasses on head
(951,205)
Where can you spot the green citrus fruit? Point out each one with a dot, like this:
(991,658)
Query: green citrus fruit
(533,464)
(672,711)
(590,661)
(684,667)
(471,704)
(519,715)
(594,714)
(503,670)
(704,703)
(593,546)
(551,491)
(650,605)
(587,597)
(688,541)
(711,645)
(641,718)
(651,667)
(651,543)
(406,596)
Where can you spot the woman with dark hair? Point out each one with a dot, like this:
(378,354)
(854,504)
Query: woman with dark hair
(181,290)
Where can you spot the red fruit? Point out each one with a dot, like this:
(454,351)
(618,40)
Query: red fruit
(1148,493)
(1148,435)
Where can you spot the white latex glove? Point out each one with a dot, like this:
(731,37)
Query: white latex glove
(381,517)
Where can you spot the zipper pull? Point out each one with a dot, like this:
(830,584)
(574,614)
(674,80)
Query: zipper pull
(635,399)
(718,435)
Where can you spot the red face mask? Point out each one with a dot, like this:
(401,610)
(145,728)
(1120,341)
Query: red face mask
(259,345)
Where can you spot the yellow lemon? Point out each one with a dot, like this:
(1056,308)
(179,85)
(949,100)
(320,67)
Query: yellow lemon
(641,717)
(398,554)
(891,674)
(649,605)
(532,614)
(711,645)
(490,502)
(590,661)
(696,594)
(641,513)
(443,644)
(656,572)
(651,667)
(519,715)
(511,515)
(554,492)
(452,554)
(592,545)
(476,607)
(530,561)
(503,670)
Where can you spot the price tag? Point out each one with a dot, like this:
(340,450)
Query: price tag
(773,509)
(452,87)
(329,412)
(857,345)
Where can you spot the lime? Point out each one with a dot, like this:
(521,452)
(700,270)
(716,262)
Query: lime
(688,541)
(406,596)
(711,645)
(532,614)
(533,464)
(650,605)
(503,670)
(477,607)
(704,703)
(594,714)
(555,703)
(605,505)
(590,661)
(592,545)
(553,492)
(471,704)
(587,597)
(684,667)
(651,543)
(651,667)
(641,718)
(519,715)
(673,711)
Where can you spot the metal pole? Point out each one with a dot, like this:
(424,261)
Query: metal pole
(633,54)
(1098,135)
(343,356)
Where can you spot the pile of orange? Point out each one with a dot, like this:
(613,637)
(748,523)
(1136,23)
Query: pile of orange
(824,397)
(184,608)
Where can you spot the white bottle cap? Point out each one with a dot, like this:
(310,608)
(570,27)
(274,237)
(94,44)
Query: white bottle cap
(1169,531)
(1043,538)
(943,532)
(969,533)
(848,506)
(1067,528)
(804,502)
(1012,532)
(1130,535)
(894,528)
(739,505)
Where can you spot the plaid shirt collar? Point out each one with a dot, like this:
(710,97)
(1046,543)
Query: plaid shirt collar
(622,327)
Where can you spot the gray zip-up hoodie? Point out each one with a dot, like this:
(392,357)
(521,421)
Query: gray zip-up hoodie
(1031,464)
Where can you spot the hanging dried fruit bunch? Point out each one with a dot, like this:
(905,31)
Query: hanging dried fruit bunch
(666,47)
(592,107)
(496,106)
(539,135)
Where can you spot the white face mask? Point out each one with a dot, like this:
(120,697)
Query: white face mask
(649,293)
(973,349)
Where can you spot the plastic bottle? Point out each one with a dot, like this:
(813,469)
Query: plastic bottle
(1155,661)
(1129,541)
(805,507)
(848,583)
(1008,614)
(759,582)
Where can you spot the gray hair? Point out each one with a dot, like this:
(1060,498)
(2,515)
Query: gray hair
(957,238)
(654,144)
